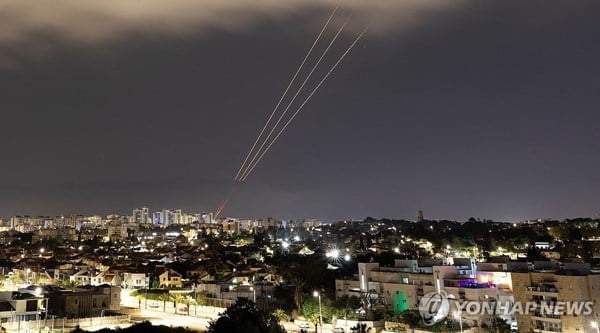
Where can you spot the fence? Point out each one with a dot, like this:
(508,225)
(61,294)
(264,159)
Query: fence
(54,324)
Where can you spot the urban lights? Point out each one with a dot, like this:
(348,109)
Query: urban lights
(254,294)
(333,254)
(318,295)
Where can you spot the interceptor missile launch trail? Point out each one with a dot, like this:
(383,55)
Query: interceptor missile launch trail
(285,92)
(266,140)
(249,171)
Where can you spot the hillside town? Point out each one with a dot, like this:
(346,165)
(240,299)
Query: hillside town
(311,274)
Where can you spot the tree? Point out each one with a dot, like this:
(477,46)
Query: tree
(164,298)
(177,299)
(201,299)
(145,327)
(312,312)
(69,284)
(297,283)
(280,315)
(367,300)
(243,316)
(345,305)
(188,301)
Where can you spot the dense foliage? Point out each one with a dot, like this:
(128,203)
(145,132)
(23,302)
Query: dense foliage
(243,316)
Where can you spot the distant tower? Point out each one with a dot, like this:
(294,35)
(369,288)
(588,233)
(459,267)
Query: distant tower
(420,216)
(140,215)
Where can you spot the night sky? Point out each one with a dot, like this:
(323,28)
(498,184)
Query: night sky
(487,109)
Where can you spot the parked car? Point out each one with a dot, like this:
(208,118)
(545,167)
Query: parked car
(303,325)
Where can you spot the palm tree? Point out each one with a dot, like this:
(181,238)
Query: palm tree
(164,298)
(188,300)
(297,283)
(177,298)
(68,284)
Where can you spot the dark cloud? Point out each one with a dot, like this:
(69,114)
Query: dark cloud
(485,110)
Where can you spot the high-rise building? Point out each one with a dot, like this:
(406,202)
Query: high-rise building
(164,217)
(207,218)
(177,216)
(420,216)
(140,215)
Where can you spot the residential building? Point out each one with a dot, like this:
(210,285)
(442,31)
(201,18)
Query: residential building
(141,215)
(135,280)
(169,278)
(403,285)
(570,282)
(84,302)
(25,305)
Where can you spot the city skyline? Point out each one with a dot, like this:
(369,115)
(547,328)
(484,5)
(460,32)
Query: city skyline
(463,110)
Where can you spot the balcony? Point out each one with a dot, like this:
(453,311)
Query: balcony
(545,289)
(541,330)
(546,317)
(542,290)
(546,328)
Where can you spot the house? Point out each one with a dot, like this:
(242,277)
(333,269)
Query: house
(84,302)
(25,306)
(135,280)
(106,277)
(6,311)
(170,279)
(82,277)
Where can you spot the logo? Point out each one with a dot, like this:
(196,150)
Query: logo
(434,307)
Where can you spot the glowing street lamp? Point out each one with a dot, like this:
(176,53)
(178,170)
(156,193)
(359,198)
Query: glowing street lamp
(254,292)
(318,295)
(347,257)
(595,325)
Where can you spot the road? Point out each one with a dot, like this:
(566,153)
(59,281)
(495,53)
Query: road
(197,320)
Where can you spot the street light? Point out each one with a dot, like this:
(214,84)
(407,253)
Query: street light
(254,292)
(318,295)
(595,325)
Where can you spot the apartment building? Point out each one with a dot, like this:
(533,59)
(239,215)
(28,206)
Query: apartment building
(403,285)
(550,284)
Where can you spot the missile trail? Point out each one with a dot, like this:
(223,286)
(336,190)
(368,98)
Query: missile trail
(249,171)
(296,95)
(225,201)
(285,93)
(221,207)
